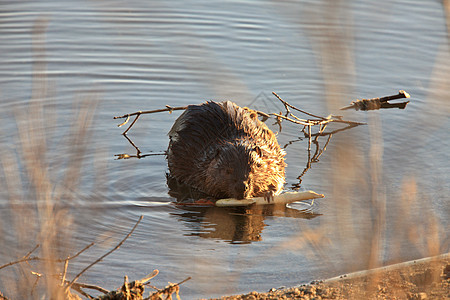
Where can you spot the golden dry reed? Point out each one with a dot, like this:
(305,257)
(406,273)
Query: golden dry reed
(39,178)
(362,227)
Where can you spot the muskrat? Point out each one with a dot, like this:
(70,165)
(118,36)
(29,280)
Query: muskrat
(225,151)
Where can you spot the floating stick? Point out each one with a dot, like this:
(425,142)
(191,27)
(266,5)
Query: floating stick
(377,103)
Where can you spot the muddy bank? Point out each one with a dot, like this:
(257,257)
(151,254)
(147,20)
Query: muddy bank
(427,278)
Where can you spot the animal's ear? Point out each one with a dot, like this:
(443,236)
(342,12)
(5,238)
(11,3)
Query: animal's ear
(253,115)
(257,150)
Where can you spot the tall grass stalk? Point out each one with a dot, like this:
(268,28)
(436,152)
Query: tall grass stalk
(357,173)
(38,187)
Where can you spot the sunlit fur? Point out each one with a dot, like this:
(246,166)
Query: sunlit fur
(225,151)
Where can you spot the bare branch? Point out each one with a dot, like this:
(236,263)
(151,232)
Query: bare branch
(77,285)
(106,254)
(168,108)
(298,109)
(78,289)
(132,123)
(81,251)
(138,151)
(26,257)
(29,253)
(301,122)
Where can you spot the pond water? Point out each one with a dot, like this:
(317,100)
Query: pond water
(386,183)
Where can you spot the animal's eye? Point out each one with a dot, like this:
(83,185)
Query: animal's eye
(259,165)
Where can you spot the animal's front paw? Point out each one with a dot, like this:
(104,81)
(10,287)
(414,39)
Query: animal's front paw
(268,196)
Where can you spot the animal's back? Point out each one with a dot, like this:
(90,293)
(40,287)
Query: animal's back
(223,150)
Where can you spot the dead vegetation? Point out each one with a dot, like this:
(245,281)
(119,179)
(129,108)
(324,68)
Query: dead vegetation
(63,287)
(38,196)
(320,121)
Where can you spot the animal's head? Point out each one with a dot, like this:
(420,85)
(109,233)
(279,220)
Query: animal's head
(242,170)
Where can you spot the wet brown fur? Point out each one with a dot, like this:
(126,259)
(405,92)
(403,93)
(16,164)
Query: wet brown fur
(223,150)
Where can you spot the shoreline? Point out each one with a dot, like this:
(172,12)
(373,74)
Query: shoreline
(426,278)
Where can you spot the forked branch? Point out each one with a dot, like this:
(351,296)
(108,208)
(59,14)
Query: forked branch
(309,123)
(168,108)
(106,254)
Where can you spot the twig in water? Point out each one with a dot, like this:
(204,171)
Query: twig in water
(26,257)
(106,254)
(298,109)
(168,108)
(307,124)
(81,251)
(38,276)
(311,122)
(32,250)
(76,285)
(377,103)
(78,289)
(312,159)
(138,152)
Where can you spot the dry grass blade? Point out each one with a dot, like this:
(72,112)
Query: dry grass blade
(446,7)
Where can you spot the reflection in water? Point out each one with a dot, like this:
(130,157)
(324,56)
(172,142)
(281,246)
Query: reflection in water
(237,225)
(138,151)
(183,192)
(234,224)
